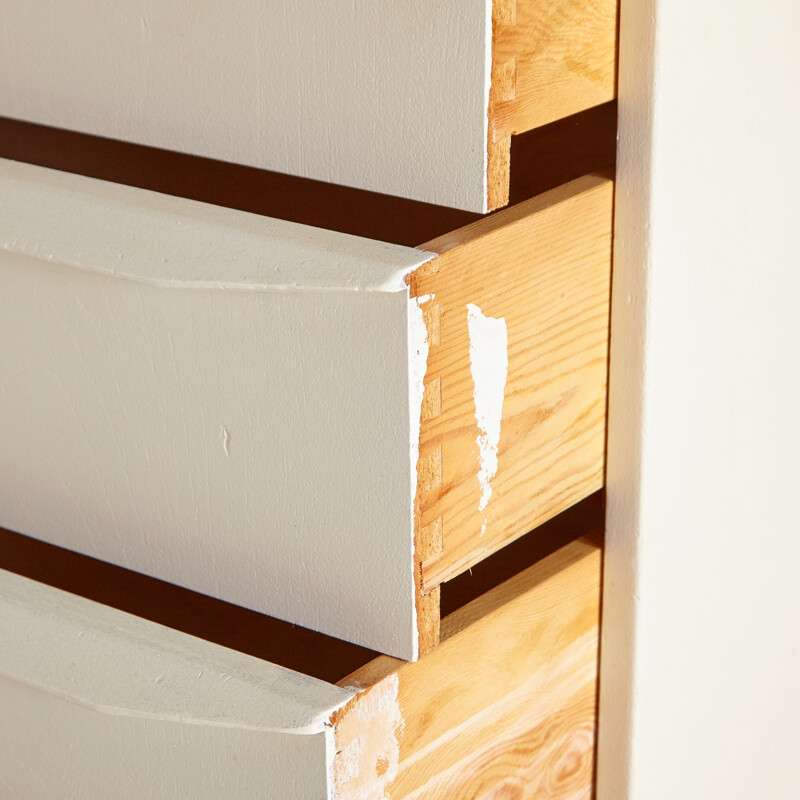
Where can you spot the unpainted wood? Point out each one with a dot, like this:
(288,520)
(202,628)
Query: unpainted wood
(544,267)
(505,706)
(503,88)
(550,59)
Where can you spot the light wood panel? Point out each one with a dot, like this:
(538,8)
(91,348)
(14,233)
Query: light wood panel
(550,59)
(542,269)
(505,706)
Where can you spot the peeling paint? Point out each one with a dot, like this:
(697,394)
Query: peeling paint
(368,743)
(488,362)
(418,348)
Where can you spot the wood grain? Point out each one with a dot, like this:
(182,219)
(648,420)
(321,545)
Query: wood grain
(544,267)
(550,59)
(504,707)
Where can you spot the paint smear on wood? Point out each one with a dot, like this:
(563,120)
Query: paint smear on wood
(418,348)
(367,743)
(488,361)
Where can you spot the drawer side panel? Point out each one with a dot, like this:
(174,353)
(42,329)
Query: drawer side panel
(550,59)
(504,707)
(516,383)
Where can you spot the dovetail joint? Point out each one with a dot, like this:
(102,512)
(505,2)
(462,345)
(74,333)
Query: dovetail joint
(430,470)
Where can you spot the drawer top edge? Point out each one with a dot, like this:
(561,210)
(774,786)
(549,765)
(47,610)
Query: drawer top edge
(117,663)
(171,242)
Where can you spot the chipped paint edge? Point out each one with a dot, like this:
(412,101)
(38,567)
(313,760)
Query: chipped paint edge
(366,738)
(418,350)
(488,362)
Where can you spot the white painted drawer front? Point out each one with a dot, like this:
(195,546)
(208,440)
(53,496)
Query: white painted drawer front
(96,703)
(381,95)
(221,400)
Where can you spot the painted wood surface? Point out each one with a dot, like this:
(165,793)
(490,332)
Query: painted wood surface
(504,707)
(381,95)
(513,422)
(98,703)
(414,99)
(221,400)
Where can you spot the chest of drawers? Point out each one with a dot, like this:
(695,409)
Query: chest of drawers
(317,426)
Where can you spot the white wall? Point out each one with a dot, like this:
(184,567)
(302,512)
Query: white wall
(701,651)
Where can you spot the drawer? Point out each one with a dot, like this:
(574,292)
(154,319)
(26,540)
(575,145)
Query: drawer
(295,420)
(100,703)
(416,99)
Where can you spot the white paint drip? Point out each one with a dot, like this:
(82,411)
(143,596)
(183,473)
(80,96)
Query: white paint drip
(488,362)
(417,369)
(226,439)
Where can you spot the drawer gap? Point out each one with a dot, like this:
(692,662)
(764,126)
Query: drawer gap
(292,646)
(583,519)
(543,158)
